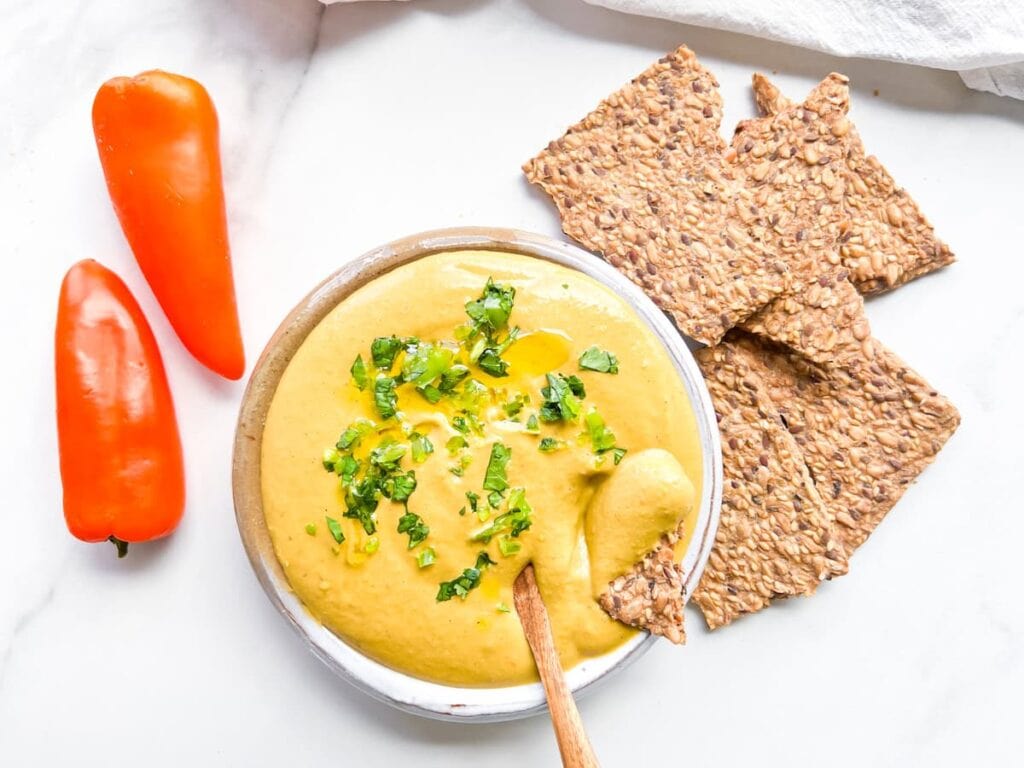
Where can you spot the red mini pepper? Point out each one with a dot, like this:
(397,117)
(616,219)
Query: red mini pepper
(158,142)
(120,453)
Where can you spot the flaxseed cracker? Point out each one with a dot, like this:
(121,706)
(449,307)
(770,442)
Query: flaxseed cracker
(774,535)
(643,181)
(651,595)
(793,163)
(888,241)
(866,428)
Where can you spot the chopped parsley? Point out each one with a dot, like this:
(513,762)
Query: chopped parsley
(474,500)
(354,434)
(413,524)
(496,475)
(385,398)
(562,398)
(311,529)
(599,360)
(399,487)
(532,425)
(517,519)
(358,371)
(426,557)
(383,351)
(421,447)
(456,443)
(513,407)
(465,582)
(488,336)
(549,445)
(508,546)
(335,529)
(602,439)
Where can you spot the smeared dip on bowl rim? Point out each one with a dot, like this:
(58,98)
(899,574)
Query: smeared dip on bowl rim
(453,420)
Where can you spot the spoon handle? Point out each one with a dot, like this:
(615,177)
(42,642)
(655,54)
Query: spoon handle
(565,717)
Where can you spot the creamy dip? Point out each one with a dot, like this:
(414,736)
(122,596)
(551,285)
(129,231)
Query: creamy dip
(608,482)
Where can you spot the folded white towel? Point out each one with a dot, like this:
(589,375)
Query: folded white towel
(981,39)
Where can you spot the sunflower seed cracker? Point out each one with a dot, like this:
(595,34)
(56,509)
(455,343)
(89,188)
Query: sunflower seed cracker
(888,241)
(792,161)
(651,595)
(643,181)
(774,536)
(866,428)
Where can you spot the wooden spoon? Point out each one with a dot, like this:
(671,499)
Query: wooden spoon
(565,717)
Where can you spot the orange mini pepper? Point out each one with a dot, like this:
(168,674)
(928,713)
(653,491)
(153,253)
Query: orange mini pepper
(120,452)
(158,142)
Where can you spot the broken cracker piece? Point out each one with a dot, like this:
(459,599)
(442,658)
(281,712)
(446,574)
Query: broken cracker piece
(643,181)
(651,595)
(774,535)
(888,241)
(792,161)
(866,429)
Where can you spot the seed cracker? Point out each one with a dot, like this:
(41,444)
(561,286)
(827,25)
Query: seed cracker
(775,537)
(651,595)
(866,428)
(793,162)
(643,181)
(888,241)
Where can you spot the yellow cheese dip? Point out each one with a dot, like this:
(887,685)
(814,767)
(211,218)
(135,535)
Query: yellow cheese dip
(591,519)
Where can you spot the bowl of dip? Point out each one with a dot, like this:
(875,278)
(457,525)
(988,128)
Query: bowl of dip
(437,414)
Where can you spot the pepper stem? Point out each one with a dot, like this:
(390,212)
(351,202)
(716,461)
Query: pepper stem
(122,546)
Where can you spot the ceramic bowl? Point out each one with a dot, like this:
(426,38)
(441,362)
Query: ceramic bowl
(403,691)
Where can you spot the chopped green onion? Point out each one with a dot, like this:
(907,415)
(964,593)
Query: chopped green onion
(335,528)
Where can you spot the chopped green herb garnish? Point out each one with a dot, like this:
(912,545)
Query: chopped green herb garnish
(384,397)
(421,447)
(595,359)
(354,433)
(399,488)
(532,425)
(468,580)
(456,443)
(460,423)
(425,363)
(361,501)
(358,371)
(517,519)
(495,477)
(384,349)
(549,445)
(413,524)
(494,499)
(347,468)
(474,500)
(502,608)
(514,406)
(491,311)
(387,455)
(602,439)
(311,529)
(372,545)
(430,393)
(483,560)
(490,362)
(562,398)
(335,528)
(330,458)
(425,557)
(451,378)
(508,546)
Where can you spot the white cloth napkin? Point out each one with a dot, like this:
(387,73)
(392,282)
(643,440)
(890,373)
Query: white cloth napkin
(981,39)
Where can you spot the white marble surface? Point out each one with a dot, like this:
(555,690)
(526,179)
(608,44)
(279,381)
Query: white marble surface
(348,127)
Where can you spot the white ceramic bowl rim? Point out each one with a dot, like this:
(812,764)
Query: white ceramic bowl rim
(383,683)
